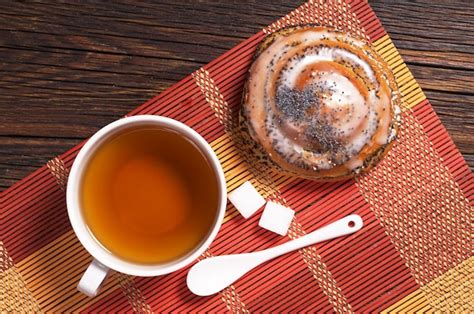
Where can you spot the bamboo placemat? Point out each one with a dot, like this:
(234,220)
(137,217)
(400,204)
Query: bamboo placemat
(413,254)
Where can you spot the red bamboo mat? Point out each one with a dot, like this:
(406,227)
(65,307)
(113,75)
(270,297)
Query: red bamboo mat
(413,254)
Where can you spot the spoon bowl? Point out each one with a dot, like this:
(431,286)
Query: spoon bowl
(214,274)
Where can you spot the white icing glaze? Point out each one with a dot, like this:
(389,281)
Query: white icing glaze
(344,95)
(355,162)
(356,60)
(345,110)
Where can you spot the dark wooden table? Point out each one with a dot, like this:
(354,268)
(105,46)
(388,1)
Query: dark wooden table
(68,69)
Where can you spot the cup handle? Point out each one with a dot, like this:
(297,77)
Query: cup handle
(92,279)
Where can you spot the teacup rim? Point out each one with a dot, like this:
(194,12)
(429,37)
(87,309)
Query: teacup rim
(86,237)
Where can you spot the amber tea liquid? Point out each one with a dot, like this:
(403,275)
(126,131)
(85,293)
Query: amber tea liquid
(149,195)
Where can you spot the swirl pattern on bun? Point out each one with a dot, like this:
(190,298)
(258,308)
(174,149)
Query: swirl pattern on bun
(322,104)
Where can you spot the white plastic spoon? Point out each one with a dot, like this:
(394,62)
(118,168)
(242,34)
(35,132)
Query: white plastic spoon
(216,273)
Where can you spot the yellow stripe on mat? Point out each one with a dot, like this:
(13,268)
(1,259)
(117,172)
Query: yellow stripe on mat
(59,170)
(410,90)
(454,288)
(14,294)
(52,272)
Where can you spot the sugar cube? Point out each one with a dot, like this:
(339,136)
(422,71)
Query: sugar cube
(246,199)
(276,218)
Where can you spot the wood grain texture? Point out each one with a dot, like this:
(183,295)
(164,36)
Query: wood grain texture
(69,69)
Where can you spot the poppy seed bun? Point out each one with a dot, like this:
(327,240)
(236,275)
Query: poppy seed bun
(321,104)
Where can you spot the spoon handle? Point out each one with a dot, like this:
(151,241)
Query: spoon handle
(341,227)
(215,273)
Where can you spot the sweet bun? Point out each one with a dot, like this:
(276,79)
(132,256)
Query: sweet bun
(320,103)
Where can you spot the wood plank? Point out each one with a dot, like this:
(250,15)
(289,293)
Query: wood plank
(69,69)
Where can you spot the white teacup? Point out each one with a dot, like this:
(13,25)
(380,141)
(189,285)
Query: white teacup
(103,259)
